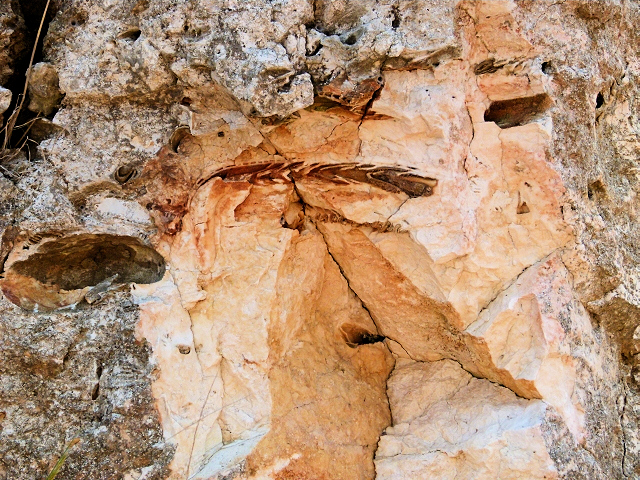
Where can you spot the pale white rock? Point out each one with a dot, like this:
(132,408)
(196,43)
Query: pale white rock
(448,424)
(497,37)
(123,210)
(189,416)
(529,330)
(518,218)
(249,293)
(5,99)
(496,208)
(428,128)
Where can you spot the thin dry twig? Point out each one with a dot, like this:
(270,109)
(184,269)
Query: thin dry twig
(26,132)
(14,116)
(33,120)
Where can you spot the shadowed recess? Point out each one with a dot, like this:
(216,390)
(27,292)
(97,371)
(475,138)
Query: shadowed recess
(80,261)
(517,111)
(355,336)
(68,270)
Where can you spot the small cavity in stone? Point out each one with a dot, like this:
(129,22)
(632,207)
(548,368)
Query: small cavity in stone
(60,270)
(355,336)
(517,111)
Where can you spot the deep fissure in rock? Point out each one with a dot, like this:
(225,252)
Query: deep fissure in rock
(32,12)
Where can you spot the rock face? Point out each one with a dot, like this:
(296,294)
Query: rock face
(439,431)
(13,38)
(321,239)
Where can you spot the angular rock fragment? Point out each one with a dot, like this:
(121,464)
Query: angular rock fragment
(44,91)
(448,424)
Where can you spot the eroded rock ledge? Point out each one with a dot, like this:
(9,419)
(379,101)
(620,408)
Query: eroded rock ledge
(321,239)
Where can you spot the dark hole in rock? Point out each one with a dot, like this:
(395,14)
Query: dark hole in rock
(125,173)
(517,111)
(293,217)
(355,336)
(184,349)
(322,104)
(599,100)
(178,135)
(57,274)
(351,40)
(186,101)
(32,12)
(547,68)
(596,190)
(95,392)
(85,260)
(395,22)
(315,50)
(220,134)
(130,34)
(286,87)
(522,208)
(78,21)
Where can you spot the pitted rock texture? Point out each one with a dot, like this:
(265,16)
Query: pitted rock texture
(13,38)
(321,239)
(78,374)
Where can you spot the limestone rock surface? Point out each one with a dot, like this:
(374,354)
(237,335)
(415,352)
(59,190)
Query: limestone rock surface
(13,39)
(439,431)
(324,239)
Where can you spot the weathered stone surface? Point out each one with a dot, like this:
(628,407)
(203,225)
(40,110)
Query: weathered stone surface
(443,192)
(448,424)
(13,38)
(293,322)
(44,92)
(77,374)
(5,99)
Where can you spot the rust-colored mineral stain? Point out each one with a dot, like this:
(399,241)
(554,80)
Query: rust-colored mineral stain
(394,179)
